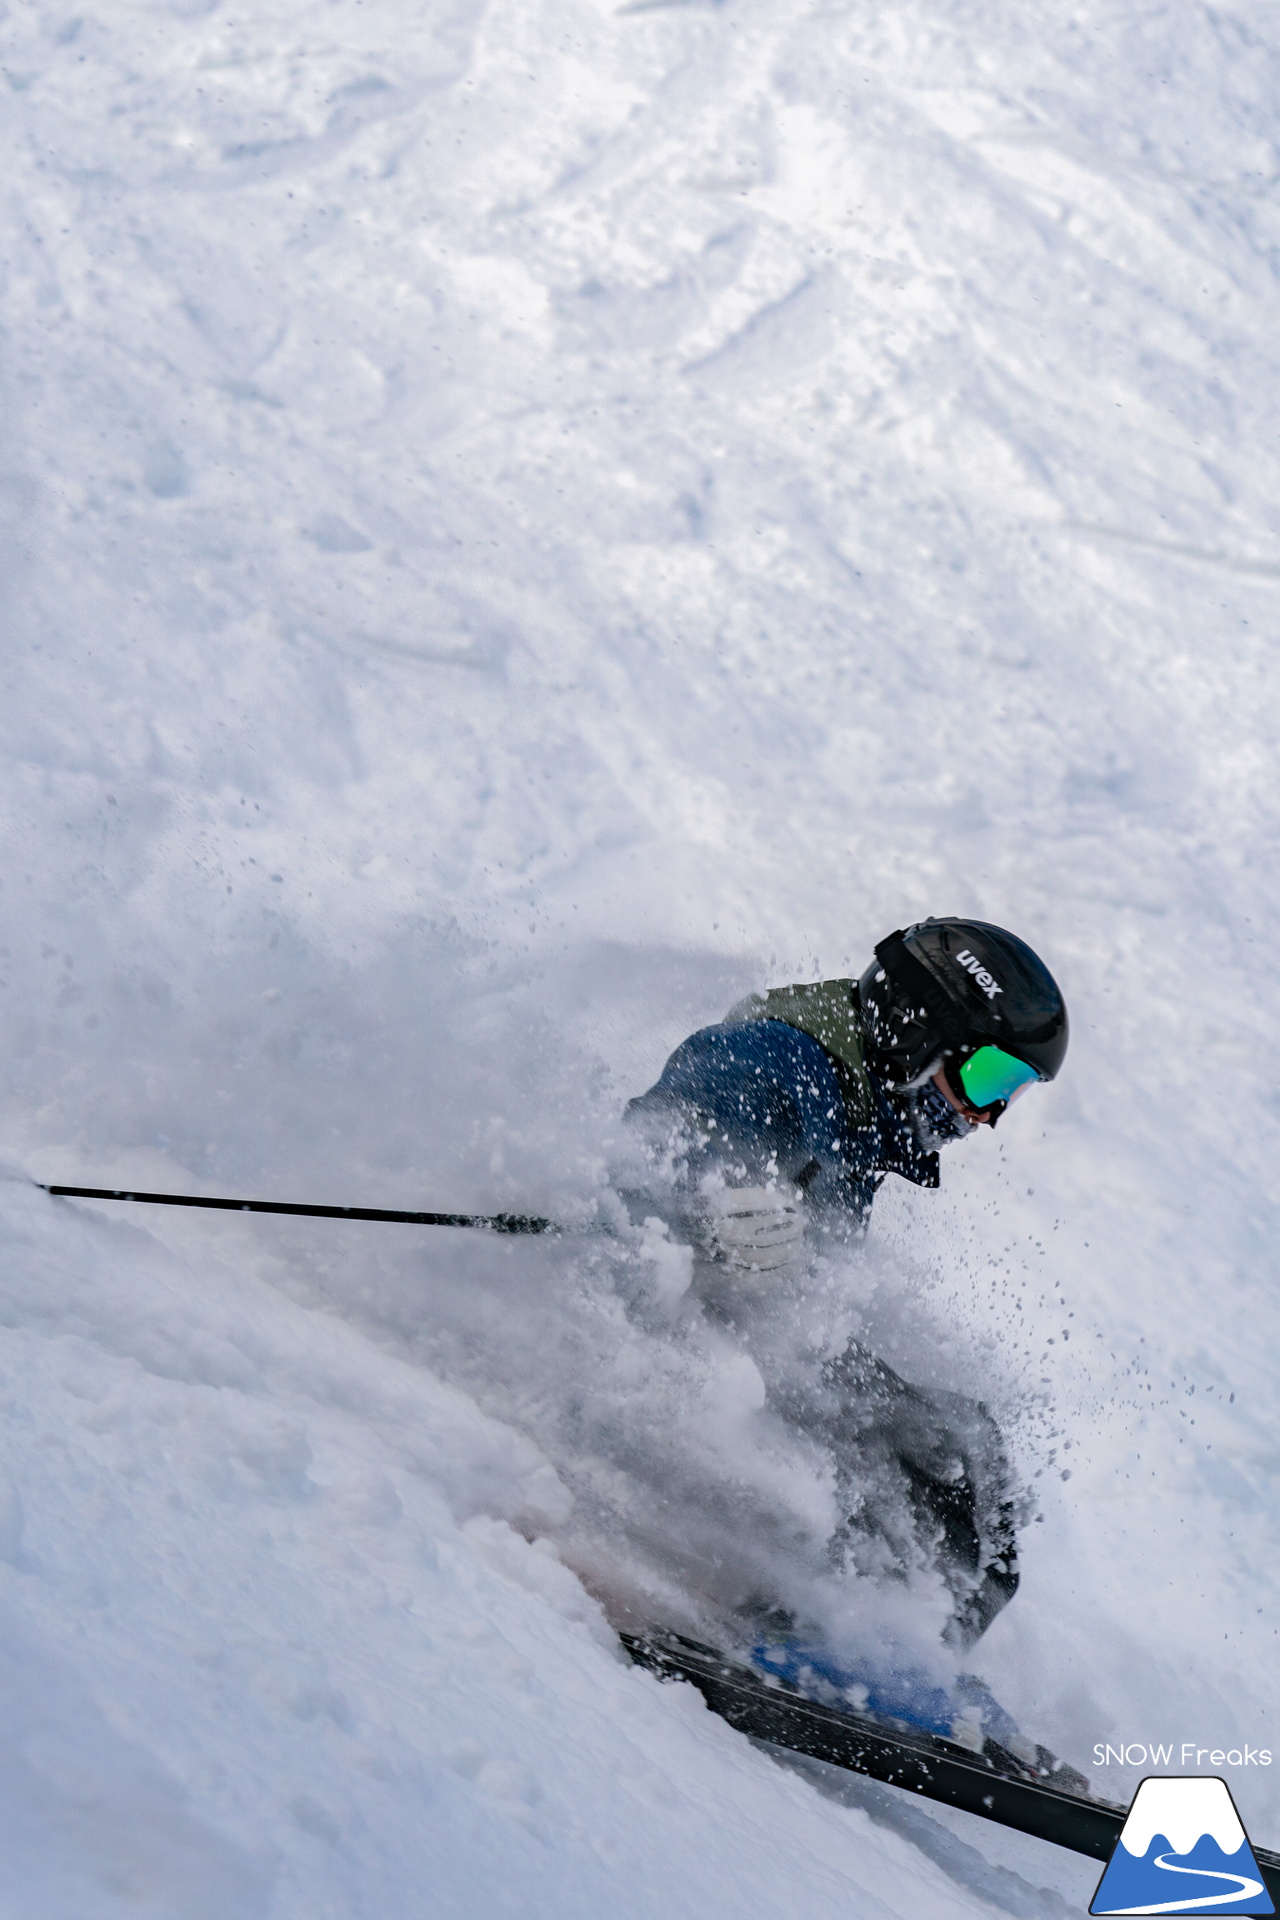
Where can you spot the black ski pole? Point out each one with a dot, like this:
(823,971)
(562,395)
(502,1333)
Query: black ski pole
(491,1222)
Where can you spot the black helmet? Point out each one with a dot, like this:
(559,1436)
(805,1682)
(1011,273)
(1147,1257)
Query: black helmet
(941,989)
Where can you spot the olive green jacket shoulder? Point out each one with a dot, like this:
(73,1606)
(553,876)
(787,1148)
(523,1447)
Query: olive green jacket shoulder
(827,1011)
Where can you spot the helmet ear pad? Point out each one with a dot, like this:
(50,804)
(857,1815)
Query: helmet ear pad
(910,1026)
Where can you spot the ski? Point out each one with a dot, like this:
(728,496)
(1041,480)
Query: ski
(994,1784)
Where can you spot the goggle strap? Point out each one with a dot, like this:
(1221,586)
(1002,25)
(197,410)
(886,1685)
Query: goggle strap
(902,967)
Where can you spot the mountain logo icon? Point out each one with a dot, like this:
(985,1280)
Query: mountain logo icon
(1182,1850)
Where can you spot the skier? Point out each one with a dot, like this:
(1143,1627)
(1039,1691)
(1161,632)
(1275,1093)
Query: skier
(772,1131)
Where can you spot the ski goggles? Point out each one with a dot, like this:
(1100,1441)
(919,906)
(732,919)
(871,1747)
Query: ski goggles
(991,1076)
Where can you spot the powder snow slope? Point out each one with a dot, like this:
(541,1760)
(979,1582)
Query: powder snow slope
(520,525)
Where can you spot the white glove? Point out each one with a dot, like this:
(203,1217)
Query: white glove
(757,1229)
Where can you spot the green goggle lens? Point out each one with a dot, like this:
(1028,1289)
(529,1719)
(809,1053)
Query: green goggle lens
(991,1074)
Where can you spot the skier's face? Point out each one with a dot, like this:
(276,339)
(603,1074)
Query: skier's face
(971,1114)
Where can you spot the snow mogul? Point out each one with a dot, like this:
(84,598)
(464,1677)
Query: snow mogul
(774,1130)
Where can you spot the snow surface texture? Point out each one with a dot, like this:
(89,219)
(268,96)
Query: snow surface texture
(520,525)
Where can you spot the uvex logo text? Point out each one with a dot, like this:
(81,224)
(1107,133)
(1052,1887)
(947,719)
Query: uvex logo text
(984,979)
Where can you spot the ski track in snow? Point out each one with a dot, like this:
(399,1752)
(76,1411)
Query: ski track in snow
(517,526)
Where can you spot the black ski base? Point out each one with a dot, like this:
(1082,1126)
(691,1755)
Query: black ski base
(994,1785)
